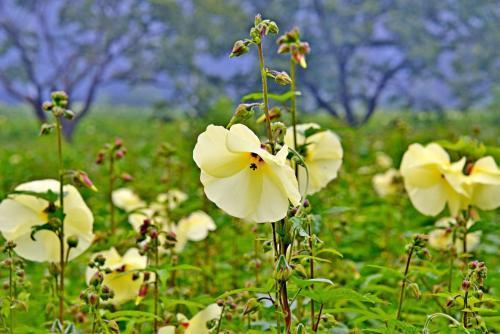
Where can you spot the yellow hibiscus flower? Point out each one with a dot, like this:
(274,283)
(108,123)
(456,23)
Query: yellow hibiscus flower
(195,227)
(431,181)
(442,238)
(484,184)
(241,177)
(322,156)
(198,324)
(19,213)
(386,183)
(121,279)
(127,199)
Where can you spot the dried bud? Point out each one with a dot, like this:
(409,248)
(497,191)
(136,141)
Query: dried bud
(72,241)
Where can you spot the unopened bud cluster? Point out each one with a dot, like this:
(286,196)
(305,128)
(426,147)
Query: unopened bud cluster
(58,106)
(290,43)
(97,291)
(260,29)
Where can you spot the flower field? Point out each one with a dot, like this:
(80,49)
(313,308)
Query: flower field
(254,219)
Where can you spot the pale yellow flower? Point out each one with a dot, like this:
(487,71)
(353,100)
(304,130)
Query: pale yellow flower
(386,183)
(198,324)
(383,160)
(195,227)
(127,199)
(483,183)
(241,177)
(431,181)
(120,280)
(19,213)
(322,156)
(173,198)
(442,238)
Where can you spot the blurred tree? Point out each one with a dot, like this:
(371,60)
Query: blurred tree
(76,46)
(366,52)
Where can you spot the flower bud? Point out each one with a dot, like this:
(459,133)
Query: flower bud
(58,111)
(257,19)
(153,233)
(93,299)
(278,130)
(273,28)
(127,177)
(72,241)
(465,285)
(143,291)
(7,263)
(96,279)
(60,98)
(282,270)
(120,154)
(46,129)
(118,142)
(68,114)
(82,179)
(47,106)
(100,259)
(84,296)
(100,158)
(474,264)
(220,302)
(239,48)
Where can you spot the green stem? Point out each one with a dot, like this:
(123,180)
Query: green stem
(220,318)
(110,191)
(403,285)
(285,306)
(293,108)
(156,289)
(311,274)
(11,293)
(61,232)
(465,313)
(264,95)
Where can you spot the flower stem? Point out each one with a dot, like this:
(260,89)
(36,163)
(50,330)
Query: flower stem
(465,313)
(264,95)
(311,275)
(156,289)
(110,191)
(403,285)
(61,231)
(219,323)
(293,108)
(11,294)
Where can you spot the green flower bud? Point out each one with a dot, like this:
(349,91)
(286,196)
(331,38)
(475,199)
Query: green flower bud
(45,129)
(60,98)
(239,48)
(96,279)
(47,106)
(72,241)
(283,79)
(273,27)
(278,130)
(282,270)
(58,111)
(68,114)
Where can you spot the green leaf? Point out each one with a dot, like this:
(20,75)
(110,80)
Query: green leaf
(277,97)
(334,295)
(128,315)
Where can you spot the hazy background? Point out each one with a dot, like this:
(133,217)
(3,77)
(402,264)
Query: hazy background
(172,55)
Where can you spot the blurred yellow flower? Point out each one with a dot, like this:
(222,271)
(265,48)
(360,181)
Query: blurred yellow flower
(432,181)
(172,198)
(127,199)
(19,213)
(483,184)
(322,155)
(121,279)
(442,238)
(241,177)
(198,324)
(386,183)
(383,160)
(195,227)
